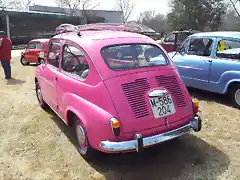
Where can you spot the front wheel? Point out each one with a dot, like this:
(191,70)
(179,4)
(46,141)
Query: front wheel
(42,103)
(23,61)
(235,95)
(83,145)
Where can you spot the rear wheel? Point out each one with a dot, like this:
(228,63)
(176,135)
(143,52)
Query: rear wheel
(40,61)
(42,103)
(23,61)
(235,95)
(83,145)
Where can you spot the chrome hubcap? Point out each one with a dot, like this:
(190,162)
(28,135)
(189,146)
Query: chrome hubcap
(39,95)
(23,61)
(81,136)
(237,97)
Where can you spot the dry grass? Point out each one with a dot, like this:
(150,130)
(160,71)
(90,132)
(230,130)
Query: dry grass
(35,144)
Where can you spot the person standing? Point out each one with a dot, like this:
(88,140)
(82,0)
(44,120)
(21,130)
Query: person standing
(5,54)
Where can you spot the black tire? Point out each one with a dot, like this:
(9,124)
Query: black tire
(87,153)
(23,62)
(41,102)
(235,95)
(40,61)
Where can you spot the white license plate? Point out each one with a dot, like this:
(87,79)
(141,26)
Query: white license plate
(162,106)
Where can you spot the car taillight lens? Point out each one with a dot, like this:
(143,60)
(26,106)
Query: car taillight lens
(115,125)
(195,106)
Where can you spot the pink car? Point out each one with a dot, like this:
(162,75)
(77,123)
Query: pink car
(114,104)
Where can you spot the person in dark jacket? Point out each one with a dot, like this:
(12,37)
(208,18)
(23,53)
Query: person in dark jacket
(5,54)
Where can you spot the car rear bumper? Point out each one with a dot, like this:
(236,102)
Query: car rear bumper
(140,143)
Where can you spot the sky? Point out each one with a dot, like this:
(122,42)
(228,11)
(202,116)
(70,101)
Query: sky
(160,6)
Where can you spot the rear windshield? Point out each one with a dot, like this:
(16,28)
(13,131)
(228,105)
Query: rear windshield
(133,56)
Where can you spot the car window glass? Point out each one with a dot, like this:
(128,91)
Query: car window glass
(181,37)
(39,45)
(200,46)
(170,38)
(54,54)
(75,62)
(133,56)
(185,46)
(31,45)
(228,49)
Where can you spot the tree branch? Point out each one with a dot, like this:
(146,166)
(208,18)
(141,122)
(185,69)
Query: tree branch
(234,7)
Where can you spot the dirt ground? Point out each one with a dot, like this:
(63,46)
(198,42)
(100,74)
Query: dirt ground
(35,144)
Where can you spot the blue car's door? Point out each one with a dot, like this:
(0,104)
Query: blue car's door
(225,65)
(194,62)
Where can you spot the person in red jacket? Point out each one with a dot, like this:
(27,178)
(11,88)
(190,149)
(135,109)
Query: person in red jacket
(5,54)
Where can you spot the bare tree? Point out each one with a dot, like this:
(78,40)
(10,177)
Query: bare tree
(7,4)
(126,7)
(75,5)
(234,4)
(22,5)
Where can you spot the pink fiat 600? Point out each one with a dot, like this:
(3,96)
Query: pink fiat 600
(118,90)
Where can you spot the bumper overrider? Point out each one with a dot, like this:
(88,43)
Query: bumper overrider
(139,143)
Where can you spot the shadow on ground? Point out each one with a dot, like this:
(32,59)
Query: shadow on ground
(15,81)
(209,96)
(188,157)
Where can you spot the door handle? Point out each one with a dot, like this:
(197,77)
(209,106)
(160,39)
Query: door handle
(55,78)
(210,61)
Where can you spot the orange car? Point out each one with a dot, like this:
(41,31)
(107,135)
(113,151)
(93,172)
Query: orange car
(34,52)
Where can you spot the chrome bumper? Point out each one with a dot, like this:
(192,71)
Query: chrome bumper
(140,143)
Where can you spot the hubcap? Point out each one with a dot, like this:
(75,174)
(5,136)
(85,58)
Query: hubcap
(23,61)
(39,95)
(237,97)
(41,61)
(81,136)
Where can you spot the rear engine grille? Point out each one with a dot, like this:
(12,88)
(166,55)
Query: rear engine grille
(172,85)
(135,93)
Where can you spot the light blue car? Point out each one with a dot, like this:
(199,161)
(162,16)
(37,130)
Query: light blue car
(211,61)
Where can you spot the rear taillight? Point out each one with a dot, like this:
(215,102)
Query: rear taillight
(195,106)
(115,125)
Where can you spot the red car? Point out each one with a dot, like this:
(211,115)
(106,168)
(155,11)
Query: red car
(172,40)
(34,52)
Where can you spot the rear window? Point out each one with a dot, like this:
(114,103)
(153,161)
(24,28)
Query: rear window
(133,56)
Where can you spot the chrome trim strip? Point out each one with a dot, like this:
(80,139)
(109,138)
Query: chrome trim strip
(148,141)
(157,93)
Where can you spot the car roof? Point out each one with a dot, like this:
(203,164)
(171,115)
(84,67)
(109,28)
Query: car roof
(185,31)
(95,36)
(223,34)
(40,40)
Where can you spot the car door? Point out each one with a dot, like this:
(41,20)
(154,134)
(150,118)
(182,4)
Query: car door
(50,74)
(73,75)
(29,54)
(39,48)
(193,61)
(226,59)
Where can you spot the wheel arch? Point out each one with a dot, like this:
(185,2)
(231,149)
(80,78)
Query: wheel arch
(230,85)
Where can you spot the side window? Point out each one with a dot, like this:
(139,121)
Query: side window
(75,62)
(181,37)
(54,54)
(39,45)
(170,38)
(200,46)
(31,45)
(228,49)
(184,47)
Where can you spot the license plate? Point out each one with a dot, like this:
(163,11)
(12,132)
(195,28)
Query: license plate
(162,106)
